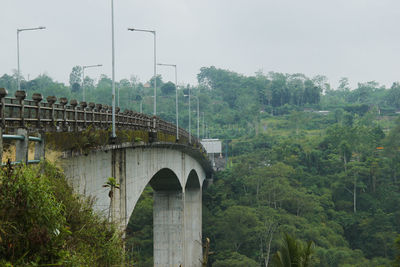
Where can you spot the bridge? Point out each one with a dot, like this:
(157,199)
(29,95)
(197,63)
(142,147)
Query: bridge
(175,168)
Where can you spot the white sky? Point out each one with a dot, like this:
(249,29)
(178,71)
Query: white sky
(358,39)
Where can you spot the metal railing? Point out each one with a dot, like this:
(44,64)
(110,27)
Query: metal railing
(22,138)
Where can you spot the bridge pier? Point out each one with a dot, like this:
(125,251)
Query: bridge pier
(168,216)
(118,171)
(40,148)
(193,232)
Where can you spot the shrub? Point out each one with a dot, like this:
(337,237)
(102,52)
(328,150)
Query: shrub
(42,221)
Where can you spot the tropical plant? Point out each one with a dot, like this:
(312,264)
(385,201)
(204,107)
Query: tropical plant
(293,253)
(112,184)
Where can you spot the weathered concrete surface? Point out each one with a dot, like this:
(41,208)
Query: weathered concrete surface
(40,148)
(193,248)
(176,177)
(168,218)
(21,146)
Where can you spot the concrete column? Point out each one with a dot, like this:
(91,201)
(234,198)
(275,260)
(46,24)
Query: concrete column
(193,234)
(39,148)
(21,153)
(168,228)
(119,212)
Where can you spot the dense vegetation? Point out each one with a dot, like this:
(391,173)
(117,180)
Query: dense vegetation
(293,171)
(334,188)
(43,223)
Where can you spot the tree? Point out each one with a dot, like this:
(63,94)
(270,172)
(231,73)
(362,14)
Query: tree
(345,153)
(393,95)
(75,79)
(293,253)
(112,184)
(344,84)
(397,244)
(9,82)
(168,88)
(236,259)
(238,226)
(158,80)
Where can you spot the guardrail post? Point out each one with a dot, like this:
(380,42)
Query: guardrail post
(51,100)
(20,96)
(73,104)
(91,109)
(63,102)
(105,110)
(98,110)
(117,109)
(83,105)
(39,148)
(153,131)
(21,152)
(37,98)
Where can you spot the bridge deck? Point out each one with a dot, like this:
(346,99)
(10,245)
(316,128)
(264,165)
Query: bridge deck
(63,115)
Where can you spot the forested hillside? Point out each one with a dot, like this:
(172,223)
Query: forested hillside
(321,164)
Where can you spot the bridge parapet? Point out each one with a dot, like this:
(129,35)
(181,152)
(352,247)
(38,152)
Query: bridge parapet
(57,115)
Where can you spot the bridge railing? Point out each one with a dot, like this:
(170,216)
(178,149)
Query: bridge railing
(60,115)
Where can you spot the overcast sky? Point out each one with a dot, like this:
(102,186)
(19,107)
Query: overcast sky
(358,39)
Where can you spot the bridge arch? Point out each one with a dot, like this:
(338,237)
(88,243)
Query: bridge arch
(165,180)
(176,177)
(193,180)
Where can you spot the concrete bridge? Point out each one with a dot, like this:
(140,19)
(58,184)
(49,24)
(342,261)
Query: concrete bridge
(175,169)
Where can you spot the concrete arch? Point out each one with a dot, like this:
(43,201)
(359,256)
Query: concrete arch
(176,176)
(165,180)
(193,180)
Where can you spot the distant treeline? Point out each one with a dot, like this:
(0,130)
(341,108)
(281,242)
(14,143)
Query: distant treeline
(226,99)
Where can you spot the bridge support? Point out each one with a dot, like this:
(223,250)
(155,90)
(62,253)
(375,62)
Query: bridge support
(168,219)
(118,164)
(193,217)
(21,146)
(39,148)
(193,234)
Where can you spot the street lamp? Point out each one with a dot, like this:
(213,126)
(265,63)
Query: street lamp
(190,123)
(203,123)
(113,135)
(198,118)
(155,65)
(176,95)
(18,31)
(83,77)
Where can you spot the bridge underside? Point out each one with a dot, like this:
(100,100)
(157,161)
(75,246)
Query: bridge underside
(176,179)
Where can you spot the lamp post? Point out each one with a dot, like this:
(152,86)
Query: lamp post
(155,65)
(176,95)
(83,77)
(198,118)
(203,123)
(113,134)
(18,31)
(190,123)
